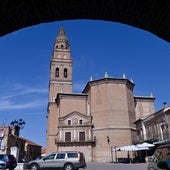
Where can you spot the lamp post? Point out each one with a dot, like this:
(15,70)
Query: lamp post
(17,125)
(111,153)
(115,155)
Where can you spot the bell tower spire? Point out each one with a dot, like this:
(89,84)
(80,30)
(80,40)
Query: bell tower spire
(61,45)
(61,67)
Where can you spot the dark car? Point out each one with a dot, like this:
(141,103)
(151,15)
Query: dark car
(10,160)
(2,165)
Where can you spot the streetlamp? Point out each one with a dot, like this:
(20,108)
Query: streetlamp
(17,125)
(115,154)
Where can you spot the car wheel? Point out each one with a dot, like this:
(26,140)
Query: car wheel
(34,167)
(151,167)
(68,167)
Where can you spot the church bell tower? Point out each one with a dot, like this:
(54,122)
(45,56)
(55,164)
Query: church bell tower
(60,82)
(61,67)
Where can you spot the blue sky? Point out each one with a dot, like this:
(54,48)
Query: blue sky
(97,47)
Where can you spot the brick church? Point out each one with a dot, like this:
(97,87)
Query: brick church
(96,120)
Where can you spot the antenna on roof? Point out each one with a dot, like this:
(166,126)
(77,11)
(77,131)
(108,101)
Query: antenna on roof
(124,76)
(131,80)
(151,95)
(106,75)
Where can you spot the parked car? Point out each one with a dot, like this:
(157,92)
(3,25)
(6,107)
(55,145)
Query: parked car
(160,159)
(2,165)
(71,160)
(11,162)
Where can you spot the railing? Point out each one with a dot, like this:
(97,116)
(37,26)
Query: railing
(152,138)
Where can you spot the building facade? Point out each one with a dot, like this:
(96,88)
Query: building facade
(98,119)
(23,149)
(154,128)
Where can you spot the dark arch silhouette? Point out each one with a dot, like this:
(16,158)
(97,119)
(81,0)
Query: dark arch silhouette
(149,15)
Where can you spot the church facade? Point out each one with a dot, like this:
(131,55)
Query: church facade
(98,119)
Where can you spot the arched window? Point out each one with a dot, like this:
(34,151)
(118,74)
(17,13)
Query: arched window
(80,121)
(69,122)
(65,72)
(57,72)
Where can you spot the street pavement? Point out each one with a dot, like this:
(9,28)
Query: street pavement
(116,166)
(105,166)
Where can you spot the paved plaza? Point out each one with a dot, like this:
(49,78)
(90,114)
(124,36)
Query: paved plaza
(116,166)
(105,166)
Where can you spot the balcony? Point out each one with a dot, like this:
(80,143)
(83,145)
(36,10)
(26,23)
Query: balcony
(154,138)
(88,142)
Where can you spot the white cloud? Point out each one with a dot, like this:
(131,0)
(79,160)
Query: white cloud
(7,105)
(18,96)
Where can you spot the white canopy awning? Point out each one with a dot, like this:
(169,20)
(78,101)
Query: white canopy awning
(145,145)
(137,147)
(128,148)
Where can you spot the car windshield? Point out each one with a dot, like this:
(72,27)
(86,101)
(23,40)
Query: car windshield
(51,156)
(40,157)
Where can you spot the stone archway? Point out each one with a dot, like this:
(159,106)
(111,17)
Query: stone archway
(149,15)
